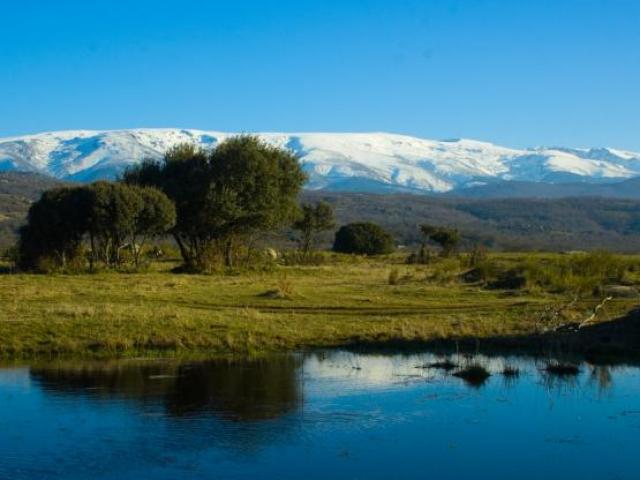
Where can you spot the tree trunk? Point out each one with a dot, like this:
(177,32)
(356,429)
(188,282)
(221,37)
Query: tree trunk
(229,253)
(93,252)
(186,258)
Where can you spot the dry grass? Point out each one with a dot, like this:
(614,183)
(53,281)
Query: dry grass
(110,314)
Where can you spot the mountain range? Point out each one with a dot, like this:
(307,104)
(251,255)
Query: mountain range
(352,162)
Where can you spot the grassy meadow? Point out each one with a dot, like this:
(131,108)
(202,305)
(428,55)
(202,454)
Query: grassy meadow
(345,300)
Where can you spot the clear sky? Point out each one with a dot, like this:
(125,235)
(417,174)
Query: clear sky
(516,72)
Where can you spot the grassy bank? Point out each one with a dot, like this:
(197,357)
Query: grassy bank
(344,302)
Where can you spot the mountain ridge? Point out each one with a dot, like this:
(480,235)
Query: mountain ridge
(373,162)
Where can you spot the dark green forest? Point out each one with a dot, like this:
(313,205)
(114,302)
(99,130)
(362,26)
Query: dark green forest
(501,224)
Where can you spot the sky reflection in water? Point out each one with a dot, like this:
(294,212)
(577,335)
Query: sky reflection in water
(323,415)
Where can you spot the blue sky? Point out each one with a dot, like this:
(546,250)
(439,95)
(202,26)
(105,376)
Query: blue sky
(519,73)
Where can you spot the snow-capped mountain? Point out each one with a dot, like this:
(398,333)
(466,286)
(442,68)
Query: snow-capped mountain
(374,162)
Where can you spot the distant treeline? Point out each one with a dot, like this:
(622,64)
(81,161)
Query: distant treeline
(507,224)
(513,224)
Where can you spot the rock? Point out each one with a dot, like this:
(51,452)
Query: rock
(620,291)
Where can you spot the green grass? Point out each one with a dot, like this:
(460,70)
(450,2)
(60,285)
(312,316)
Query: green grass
(293,307)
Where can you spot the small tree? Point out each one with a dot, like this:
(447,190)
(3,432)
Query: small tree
(157,216)
(55,226)
(109,214)
(447,238)
(364,239)
(114,211)
(315,219)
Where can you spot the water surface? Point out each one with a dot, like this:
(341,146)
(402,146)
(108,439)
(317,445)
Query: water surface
(317,416)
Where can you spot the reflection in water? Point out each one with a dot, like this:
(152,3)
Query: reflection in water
(319,415)
(249,389)
(602,376)
(474,375)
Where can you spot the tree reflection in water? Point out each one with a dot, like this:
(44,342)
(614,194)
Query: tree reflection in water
(237,390)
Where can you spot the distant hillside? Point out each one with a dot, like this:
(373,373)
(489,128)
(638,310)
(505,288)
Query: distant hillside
(514,189)
(505,224)
(17,191)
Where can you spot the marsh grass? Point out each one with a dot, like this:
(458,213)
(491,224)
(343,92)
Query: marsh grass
(348,300)
(580,273)
(562,369)
(446,365)
(510,371)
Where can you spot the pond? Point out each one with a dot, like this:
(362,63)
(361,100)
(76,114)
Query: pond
(334,414)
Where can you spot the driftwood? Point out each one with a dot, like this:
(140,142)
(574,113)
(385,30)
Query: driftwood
(595,312)
(549,319)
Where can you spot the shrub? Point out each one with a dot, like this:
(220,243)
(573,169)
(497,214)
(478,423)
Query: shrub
(512,279)
(394,277)
(299,257)
(584,273)
(446,270)
(485,271)
(363,238)
(421,257)
(476,256)
(447,238)
(314,219)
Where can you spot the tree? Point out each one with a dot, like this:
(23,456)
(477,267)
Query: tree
(242,187)
(114,210)
(314,219)
(157,216)
(256,187)
(55,227)
(447,238)
(109,214)
(184,176)
(363,238)
(126,215)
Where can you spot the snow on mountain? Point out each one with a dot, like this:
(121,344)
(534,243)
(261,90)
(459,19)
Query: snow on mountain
(339,161)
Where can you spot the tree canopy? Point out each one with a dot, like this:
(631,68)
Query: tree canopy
(223,197)
(55,227)
(363,238)
(447,238)
(313,220)
(110,215)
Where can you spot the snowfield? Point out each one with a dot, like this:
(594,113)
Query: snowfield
(373,162)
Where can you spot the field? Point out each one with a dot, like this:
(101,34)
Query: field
(348,300)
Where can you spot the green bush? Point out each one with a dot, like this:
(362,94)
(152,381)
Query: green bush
(477,256)
(299,257)
(446,270)
(364,239)
(584,273)
(422,257)
(394,277)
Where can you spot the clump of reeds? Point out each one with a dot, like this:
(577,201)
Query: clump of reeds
(444,364)
(562,369)
(510,371)
(475,374)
